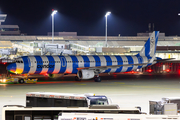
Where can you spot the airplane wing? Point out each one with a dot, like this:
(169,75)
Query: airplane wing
(112,66)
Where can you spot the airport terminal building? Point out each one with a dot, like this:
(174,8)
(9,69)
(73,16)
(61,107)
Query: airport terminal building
(10,37)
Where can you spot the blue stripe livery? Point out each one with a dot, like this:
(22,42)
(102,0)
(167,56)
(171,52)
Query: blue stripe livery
(97,60)
(26,65)
(63,64)
(109,63)
(119,62)
(130,61)
(51,64)
(39,63)
(140,61)
(86,61)
(75,64)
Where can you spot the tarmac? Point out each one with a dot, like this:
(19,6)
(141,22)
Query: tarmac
(125,90)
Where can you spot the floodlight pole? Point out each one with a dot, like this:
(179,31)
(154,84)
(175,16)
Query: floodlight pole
(53,13)
(108,13)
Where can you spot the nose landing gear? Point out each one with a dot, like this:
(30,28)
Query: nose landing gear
(97,79)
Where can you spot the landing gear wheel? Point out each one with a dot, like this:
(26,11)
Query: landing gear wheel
(97,79)
(21,81)
(77,79)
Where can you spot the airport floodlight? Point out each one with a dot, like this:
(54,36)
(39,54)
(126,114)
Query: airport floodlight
(178,13)
(53,13)
(108,13)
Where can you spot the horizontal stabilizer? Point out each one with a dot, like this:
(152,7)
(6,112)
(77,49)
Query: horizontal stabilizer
(169,61)
(162,60)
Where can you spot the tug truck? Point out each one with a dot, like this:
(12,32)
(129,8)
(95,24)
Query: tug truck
(13,80)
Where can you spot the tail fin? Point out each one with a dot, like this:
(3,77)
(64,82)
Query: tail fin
(149,48)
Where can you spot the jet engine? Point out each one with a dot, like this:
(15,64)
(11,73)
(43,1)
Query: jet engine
(85,74)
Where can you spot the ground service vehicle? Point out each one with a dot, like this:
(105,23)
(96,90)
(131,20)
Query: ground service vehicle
(17,112)
(50,99)
(13,80)
(102,116)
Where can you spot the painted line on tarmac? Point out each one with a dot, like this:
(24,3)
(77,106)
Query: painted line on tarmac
(151,87)
(6,96)
(118,83)
(79,84)
(122,94)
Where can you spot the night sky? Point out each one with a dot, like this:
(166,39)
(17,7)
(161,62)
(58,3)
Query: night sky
(86,17)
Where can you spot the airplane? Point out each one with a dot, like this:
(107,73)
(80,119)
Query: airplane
(87,66)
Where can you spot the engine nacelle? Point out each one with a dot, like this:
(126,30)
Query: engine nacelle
(85,74)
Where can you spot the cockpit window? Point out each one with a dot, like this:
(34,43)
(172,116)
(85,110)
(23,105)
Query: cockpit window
(19,61)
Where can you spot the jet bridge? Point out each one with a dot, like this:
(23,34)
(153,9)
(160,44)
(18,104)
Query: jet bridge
(51,48)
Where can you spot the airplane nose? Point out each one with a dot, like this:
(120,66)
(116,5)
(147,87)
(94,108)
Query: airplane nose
(11,67)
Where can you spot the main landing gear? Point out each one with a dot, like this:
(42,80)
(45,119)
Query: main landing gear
(77,79)
(97,79)
(21,81)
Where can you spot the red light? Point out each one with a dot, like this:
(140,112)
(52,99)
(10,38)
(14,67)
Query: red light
(4,63)
(52,9)
(45,74)
(114,75)
(168,70)
(149,70)
(132,72)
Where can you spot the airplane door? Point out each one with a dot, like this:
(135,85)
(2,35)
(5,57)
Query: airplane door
(140,60)
(29,62)
(63,62)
